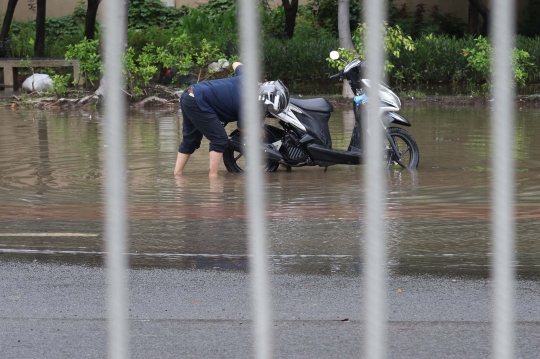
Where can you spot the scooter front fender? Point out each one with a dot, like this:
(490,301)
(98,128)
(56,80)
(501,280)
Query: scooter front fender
(393,117)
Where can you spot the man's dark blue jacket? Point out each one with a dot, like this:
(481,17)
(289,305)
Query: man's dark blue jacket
(221,97)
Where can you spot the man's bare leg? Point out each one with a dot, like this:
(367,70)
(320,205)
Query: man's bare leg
(215,160)
(181,161)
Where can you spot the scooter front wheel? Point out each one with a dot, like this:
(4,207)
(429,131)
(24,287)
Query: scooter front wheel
(235,161)
(408,155)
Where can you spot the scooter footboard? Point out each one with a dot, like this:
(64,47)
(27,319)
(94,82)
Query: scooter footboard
(323,156)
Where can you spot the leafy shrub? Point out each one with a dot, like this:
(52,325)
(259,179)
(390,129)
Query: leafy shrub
(435,59)
(532,46)
(21,37)
(479,59)
(59,33)
(394,44)
(326,13)
(138,39)
(86,52)
(61,84)
(530,26)
(147,13)
(419,22)
(214,8)
(273,22)
(139,70)
(302,58)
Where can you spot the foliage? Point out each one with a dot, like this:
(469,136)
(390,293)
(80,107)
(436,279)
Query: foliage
(530,26)
(419,22)
(21,37)
(298,59)
(196,25)
(326,13)
(214,8)
(179,53)
(395,42)
(60,32)
(273,22)
(479,59)
(86,52)
(199,21)
(66,26)
(532,46)
(60,86)
(435,59)
(146,13)
(139,71)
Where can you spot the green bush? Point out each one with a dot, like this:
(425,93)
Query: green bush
(87,53)
(302,58)
(435,59)
(479,59)
(532,46)
(420,22)
(147,13)
(326,13)
(22,34)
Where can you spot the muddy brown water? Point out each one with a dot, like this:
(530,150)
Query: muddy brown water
(51,196)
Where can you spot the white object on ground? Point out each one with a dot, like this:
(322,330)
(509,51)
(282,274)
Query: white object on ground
(219,65)
(38,82)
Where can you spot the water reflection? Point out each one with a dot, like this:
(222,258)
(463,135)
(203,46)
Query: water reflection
(51,180)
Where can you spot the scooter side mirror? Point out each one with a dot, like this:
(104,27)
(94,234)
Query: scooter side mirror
(334,55)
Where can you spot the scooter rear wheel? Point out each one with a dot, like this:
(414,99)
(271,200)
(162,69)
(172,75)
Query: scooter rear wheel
(235,161)
(409,155)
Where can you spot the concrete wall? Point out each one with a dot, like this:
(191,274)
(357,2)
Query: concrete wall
(55,8)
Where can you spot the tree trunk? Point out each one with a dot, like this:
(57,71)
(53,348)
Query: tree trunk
(474,21)
(90,21)
(39,44)
(345,39)
(291,8)
(484,11)
(7,19)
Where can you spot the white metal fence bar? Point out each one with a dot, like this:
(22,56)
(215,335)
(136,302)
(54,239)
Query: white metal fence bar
(251,115)
(503,179)
(375,245)
(115,228)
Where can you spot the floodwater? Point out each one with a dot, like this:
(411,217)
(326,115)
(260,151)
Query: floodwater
(51,196)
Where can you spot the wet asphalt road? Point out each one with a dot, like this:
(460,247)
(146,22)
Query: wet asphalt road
(58,311)
(189,287)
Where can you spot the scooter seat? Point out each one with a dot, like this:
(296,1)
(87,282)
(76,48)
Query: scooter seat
(313,104)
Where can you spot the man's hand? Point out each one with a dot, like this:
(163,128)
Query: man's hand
(235,65)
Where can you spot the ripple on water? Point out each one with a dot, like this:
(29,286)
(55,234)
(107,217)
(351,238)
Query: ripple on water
(51,180)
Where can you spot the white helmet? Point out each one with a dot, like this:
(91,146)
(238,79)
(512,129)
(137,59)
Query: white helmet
(274,96)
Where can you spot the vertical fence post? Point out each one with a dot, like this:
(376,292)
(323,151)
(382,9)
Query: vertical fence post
(375,245)
(503,179)
(251,117)
(116,227)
